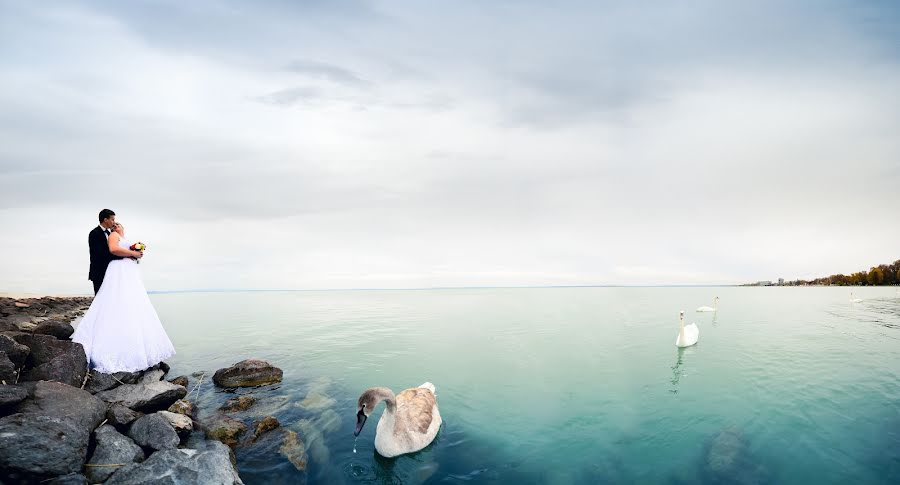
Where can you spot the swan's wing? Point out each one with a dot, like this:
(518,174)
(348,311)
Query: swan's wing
(417,405)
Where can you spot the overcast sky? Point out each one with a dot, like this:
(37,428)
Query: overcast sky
(343,144)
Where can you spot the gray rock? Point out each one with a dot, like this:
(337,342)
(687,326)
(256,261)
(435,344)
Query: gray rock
(151,376)
(146,397)
(154,431)
(266,424)
(98,382)
(16,352)
(7,370)
(121,416)
(34,447)
(225,429)
(69,368)
(76,406)
(184,466)
(60,330)
(44,348)
(248,373)
(112,448)
(70,479)
(12,394)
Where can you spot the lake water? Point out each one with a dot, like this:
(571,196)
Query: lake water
(566,385)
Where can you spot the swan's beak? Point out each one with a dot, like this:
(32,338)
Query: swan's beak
(360,421)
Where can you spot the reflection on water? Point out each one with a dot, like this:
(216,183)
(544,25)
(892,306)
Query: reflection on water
(562,385)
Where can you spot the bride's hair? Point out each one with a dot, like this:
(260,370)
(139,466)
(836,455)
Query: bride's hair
(120,226)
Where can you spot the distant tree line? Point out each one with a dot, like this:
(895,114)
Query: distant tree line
(881,275)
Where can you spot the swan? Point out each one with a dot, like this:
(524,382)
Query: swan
(687,335)
(854,300)
(410,420)
(713,308)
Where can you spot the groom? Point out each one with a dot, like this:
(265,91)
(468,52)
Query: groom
(100,252)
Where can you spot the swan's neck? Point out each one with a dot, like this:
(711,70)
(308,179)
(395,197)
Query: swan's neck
(681,327)
(386,395)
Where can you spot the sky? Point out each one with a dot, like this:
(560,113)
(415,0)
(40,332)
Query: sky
(352,144)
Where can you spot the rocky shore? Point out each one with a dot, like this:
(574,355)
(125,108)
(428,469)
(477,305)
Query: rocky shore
(61,423)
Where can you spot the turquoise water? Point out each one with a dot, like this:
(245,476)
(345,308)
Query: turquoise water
(567,385)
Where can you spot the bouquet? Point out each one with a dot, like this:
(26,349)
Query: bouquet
(138,246)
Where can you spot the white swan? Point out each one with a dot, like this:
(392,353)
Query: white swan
(713,308)
(410,420)
(854,300)
(687,334)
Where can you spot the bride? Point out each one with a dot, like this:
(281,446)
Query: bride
(121,332)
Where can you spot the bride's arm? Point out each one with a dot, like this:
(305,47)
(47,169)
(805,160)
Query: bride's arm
(118,251)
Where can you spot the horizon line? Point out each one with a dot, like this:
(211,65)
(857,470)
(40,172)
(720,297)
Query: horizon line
(429,288)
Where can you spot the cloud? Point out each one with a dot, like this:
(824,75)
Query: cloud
(338,144)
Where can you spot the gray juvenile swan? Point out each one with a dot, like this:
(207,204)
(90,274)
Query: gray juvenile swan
(410,420)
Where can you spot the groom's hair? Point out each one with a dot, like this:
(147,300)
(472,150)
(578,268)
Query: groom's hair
(105,214)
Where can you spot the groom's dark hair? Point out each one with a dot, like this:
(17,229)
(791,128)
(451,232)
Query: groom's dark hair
(105,214)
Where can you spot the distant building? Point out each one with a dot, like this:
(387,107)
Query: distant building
(780,281)
(764,283)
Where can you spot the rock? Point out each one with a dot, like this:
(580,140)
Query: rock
(66,359)
(154,431)
(180,381)
(60,330)
(12,394)
(121,416)
(184,466)
(16,352)
(145,397)
(34,447)
(183,424)
(314,401)
(225,429)
(98,381)
(239,403)
(151,376)
(7,326)
(248,373)
(68,369)
(293,449)
(76,406)
(112,448)
(7,370)
(265,424)
(182,407)
(22,304)
(70,479)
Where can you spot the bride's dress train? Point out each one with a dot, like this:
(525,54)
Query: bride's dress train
(121,332)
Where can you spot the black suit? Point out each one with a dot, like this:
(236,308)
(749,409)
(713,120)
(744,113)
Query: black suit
(100,257)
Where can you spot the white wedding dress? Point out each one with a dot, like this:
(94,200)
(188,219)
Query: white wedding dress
(121,332)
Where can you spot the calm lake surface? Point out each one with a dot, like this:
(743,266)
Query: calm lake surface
(566,385)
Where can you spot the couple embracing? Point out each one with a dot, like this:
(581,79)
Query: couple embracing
(120,332)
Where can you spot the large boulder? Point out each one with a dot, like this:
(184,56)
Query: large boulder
(248,373)
(181,466)
(16,352)
(225,429)
(52,359)
(68,368)
(147,397)
(60,330)
(112,448)
(35,447)
(76,406)
(180,380)
(154,431)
